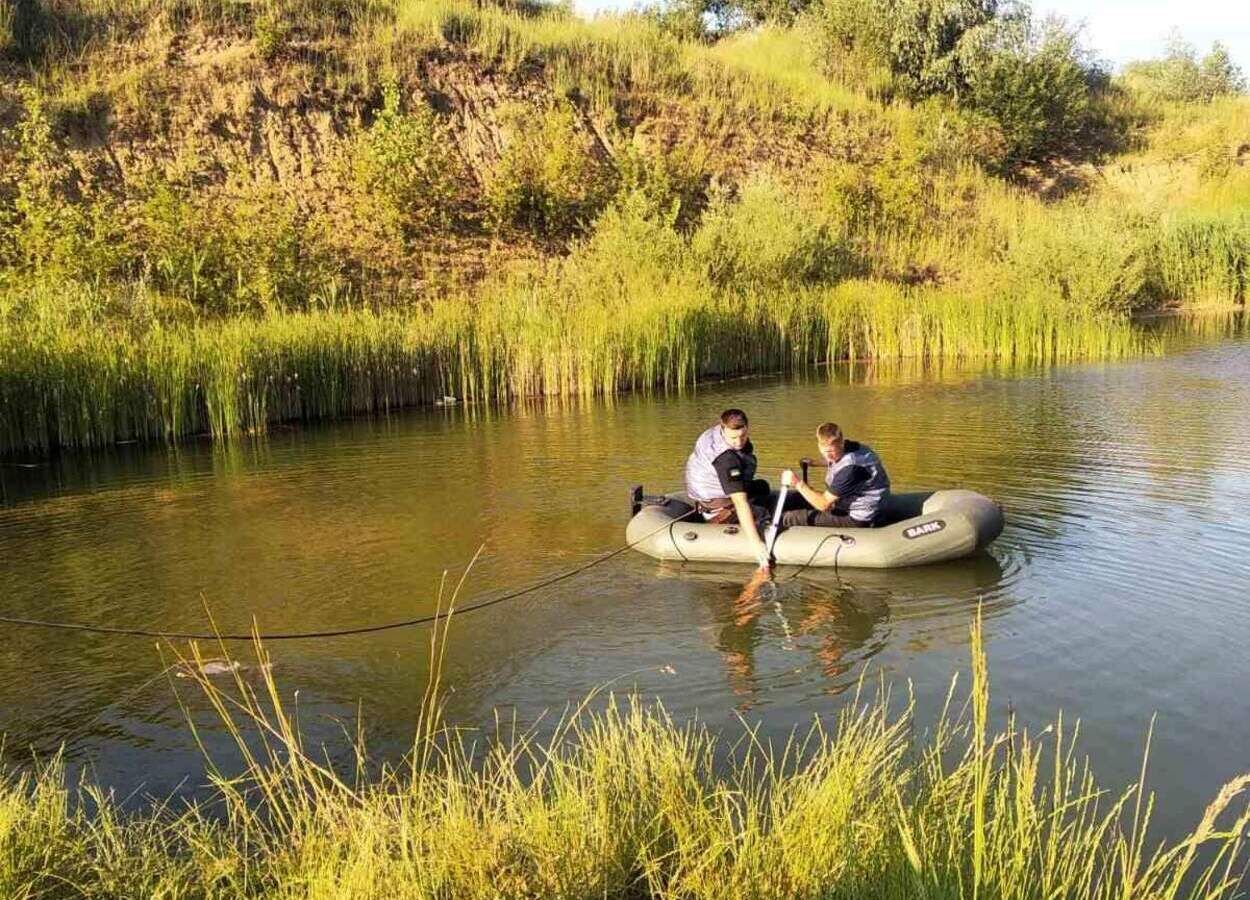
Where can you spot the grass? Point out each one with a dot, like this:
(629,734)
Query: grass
(623,801)
(600,59)
(86,381)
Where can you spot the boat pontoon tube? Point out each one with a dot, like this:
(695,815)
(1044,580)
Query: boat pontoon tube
(926,528)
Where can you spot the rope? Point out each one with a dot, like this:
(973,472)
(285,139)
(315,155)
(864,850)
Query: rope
(843,540)
(340,632)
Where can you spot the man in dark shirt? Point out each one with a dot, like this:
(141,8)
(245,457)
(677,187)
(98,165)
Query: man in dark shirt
(720,478)
(856,484)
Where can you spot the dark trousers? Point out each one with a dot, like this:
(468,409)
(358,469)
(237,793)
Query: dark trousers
(802,513)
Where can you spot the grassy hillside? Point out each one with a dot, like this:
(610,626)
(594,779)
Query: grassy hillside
(214,214)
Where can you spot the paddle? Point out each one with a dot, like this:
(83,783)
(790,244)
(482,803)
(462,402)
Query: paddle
(771,537)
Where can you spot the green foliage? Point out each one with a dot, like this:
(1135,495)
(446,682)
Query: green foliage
(930,41)
(671,183)
(1036,87)
(1180,77)
(271,33)
(881,233)
(1035,83)
(684,20)
(1218,73)
(622,801)
(549,180)
(760,239)
(256,253)
(1203,261)
(406,168)
(857,37)
(42,228)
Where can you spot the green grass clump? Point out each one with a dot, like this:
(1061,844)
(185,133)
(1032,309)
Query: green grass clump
(623,801)
(549,181)
(764,239)
(405,168)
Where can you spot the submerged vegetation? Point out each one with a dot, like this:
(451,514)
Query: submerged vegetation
(621,801)
(214,215)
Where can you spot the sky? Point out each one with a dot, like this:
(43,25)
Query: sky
(1123,30)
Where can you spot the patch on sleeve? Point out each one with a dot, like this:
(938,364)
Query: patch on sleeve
(735,473)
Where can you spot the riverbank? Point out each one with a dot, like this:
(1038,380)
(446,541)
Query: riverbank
(622,801)
(329,208)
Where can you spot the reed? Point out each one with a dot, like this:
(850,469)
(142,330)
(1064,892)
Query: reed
(87,381)
(621,800)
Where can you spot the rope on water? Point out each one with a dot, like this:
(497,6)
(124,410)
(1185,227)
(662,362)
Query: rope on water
(332,633)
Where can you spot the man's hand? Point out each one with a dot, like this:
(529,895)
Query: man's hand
(788,478)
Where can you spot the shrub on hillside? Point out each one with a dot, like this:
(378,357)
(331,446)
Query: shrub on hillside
(42,229)
(254,252)
(1067,254)
(686,20)
(629,250)
(405,168)
(1034,83)
(670,184)
(1180,77)
(271,33)
(764,237)
(548,181)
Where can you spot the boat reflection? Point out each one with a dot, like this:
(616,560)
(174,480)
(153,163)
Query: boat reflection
(836,620)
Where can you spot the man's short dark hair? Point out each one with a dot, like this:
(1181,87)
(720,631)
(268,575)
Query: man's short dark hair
(733,418)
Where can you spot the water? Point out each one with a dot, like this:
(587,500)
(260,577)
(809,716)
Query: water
(1117,591)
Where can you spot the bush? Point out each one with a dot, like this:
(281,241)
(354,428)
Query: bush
(685,20)
(548,181)
(41,228)
(1066,254)
(271,34)
(1035,86)
(1033,83)
(255,252)
(765,237)
(929,41)
(1180,77)
(670,184)
(405,168)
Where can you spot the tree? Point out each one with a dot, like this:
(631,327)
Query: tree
(1219,74)
(1180,77)
(1035,83)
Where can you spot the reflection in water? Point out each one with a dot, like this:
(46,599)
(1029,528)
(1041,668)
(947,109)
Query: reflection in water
(831,621)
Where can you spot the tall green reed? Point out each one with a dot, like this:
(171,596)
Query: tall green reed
(621,800)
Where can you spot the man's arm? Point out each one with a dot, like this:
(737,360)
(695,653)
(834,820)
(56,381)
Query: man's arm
(819,502)
(746,521)
(729,468)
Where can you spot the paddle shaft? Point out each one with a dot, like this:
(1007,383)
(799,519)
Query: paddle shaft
(772,529)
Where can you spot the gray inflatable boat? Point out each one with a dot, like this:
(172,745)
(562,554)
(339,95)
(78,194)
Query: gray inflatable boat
(927,527)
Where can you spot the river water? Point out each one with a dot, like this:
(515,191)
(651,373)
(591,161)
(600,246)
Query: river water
(1120,588)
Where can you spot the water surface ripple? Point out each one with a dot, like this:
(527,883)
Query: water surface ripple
(1119,588)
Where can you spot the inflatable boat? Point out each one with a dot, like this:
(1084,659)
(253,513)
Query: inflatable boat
(925,527)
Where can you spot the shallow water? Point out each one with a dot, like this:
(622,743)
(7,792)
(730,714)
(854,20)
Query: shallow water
(1120,587)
